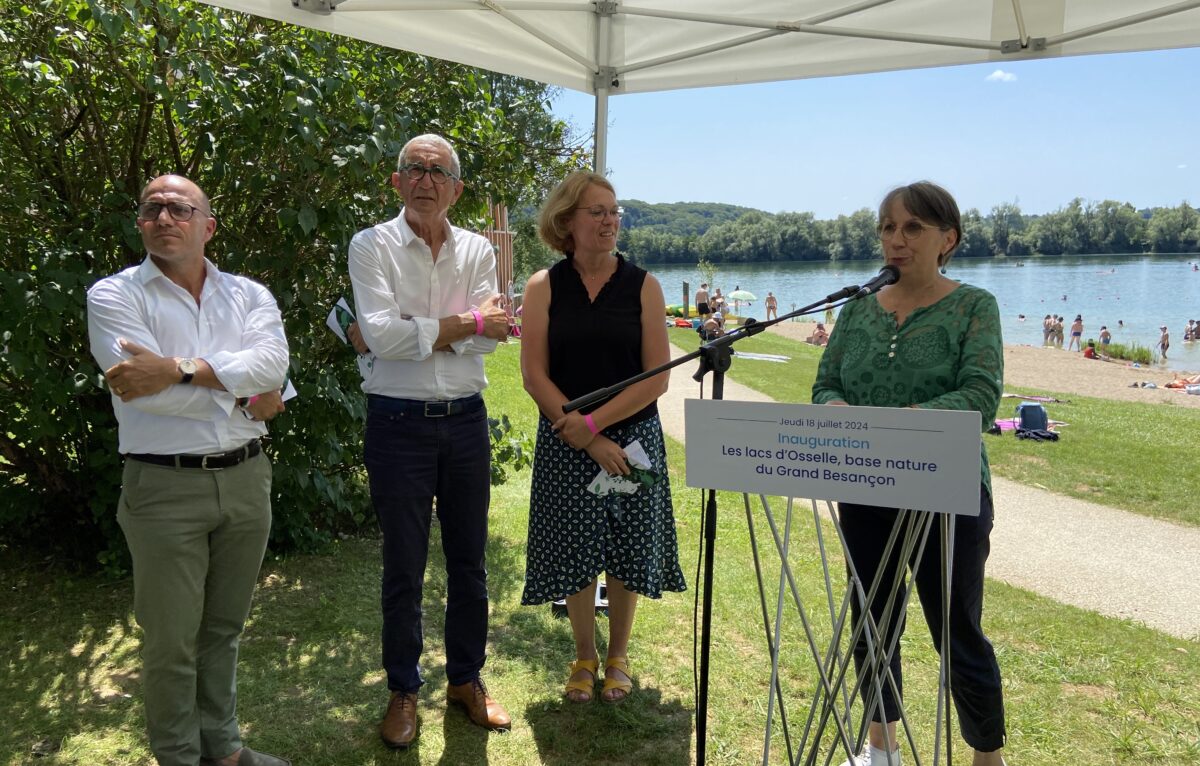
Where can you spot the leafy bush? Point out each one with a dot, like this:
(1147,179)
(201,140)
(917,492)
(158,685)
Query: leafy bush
(293,133)
(512,451)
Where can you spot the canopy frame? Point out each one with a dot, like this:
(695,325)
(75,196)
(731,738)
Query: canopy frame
(585,44)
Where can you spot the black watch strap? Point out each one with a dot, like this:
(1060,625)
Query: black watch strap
(187,370)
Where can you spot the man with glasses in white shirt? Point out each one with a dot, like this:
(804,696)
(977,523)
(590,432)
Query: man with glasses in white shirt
(195,359)
(429,309)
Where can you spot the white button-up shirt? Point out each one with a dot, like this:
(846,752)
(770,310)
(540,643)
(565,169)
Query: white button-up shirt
(236,328)
(401,293)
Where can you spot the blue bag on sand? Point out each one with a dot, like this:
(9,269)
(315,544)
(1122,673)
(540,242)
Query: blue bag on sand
(1031,416)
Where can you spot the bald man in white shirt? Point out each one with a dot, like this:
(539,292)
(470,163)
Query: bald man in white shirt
(195,359)
(429,308)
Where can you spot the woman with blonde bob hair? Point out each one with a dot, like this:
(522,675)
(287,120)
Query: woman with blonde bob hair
(590,321)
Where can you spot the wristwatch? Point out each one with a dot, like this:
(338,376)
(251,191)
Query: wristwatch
(187,368)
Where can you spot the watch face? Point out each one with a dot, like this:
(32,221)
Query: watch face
(187,366)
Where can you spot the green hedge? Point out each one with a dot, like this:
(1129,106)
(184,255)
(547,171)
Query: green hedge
(293,134)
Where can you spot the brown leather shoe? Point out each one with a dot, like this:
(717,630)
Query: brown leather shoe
(399,727)
(481,709)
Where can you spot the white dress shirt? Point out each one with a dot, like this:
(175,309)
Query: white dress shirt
(236,328)
(401,293)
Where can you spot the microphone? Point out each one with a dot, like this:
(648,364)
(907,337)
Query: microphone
(888,275)
(849,291)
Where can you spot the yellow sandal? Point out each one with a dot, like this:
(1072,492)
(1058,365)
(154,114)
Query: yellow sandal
(583,685)
(620,664)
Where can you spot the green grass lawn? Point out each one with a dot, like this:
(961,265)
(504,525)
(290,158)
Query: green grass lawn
(311,687)
(1126,455)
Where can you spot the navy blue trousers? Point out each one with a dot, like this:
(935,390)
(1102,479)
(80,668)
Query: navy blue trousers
(974,673)
(412,459)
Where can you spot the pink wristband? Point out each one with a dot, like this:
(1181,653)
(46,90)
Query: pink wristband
(591,424)
(478,322)
(252,400)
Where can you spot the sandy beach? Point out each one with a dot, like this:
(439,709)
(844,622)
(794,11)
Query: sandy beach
(1058,372)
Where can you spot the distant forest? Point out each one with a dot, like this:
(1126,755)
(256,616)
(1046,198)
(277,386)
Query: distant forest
(685,232)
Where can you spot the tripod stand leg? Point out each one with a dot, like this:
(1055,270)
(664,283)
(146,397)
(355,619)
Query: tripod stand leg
(773,640)
(710,539)
(826,688)
(776,639)
(883,642)
(943,707)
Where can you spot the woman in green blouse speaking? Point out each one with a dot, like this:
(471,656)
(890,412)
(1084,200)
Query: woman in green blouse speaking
(925,341)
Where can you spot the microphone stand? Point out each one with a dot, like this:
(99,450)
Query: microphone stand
(714,357)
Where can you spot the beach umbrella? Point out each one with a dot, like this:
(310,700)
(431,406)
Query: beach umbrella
(742,295)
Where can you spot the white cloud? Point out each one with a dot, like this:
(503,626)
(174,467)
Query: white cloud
(1001,76)
(1181,167)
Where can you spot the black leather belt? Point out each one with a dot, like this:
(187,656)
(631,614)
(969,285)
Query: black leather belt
(424,409)
(213,462)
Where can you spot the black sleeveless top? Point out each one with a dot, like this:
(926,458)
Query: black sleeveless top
(596,344)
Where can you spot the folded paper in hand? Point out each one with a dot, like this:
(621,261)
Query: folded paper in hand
(640,474)
(340,317)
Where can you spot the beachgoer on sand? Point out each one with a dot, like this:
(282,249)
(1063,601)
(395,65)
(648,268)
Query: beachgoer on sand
(1076,334)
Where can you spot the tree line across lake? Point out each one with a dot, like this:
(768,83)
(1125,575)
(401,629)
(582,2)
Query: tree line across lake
(687,232)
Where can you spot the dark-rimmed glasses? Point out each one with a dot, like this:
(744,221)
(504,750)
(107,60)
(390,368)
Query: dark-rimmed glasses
(180,211)
(414,171)
(909,229)
(597,212)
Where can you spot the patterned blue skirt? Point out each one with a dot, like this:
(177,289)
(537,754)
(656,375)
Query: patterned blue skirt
(575,535)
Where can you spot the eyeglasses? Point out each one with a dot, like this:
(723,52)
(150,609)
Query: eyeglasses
(180,211)
(415,172)
(909,229)
(597,212)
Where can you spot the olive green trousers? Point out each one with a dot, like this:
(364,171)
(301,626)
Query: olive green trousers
(197,538)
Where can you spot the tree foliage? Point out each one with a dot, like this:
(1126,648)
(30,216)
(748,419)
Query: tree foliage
(293,133)
(690,232)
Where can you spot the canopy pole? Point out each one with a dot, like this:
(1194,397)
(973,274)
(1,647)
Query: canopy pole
(600,155)
(603,81)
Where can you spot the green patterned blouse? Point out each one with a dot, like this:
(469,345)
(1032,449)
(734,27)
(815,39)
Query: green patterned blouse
(947,356)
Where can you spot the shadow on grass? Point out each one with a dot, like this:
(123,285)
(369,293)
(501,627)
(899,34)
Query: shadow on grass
(324,614)
(311,687)
(569,734)
(69,658)
(310,681)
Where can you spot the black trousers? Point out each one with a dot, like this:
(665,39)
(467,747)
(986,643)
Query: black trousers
(974,673)
(411,459)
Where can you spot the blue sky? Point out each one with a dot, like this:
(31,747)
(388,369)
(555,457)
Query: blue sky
(1040,133)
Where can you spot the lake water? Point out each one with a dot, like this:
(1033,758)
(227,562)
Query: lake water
(1143,292)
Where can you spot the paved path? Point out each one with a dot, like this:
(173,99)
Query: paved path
(1090,556)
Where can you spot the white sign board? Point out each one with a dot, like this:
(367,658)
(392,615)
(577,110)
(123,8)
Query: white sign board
(900,458)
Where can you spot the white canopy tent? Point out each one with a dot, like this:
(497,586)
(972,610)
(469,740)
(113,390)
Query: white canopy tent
(609,47)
